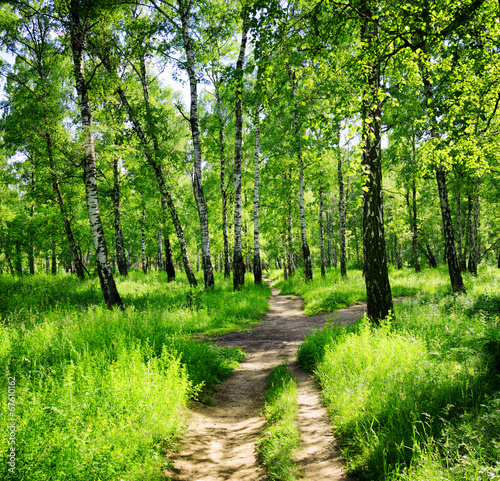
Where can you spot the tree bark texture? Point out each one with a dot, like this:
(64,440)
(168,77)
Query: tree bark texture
(414,225)
(378,289)
(195,132)
(306,253)
(168,262)
(151,158)
(343,260)
(54,258)
(159,257)
(457,284)
(227,256)
(78,40)
(257,270)
(474,245)
(460,253)
(80,270)
(121,259)
(238,262)
(143,238)
(322,234)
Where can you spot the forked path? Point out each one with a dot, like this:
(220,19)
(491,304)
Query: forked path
(220,444)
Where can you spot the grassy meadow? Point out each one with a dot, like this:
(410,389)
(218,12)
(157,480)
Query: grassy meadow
(101,394)
(417,398)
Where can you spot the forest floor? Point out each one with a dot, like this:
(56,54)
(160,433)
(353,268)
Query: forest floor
(221,442)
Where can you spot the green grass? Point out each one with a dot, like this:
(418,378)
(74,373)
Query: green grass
(332,292)
(417,398)
(102,394)
(281,437)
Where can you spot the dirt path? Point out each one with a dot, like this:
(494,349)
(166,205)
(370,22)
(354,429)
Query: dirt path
(220,444)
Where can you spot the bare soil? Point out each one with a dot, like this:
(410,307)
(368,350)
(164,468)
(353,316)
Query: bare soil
(220,443)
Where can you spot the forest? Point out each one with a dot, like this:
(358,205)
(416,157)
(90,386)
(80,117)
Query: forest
(162,160)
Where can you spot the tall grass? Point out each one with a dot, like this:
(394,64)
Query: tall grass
(281,437)
(417,398)
(326,294)
(101,394)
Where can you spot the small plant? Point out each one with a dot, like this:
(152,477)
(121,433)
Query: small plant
(281,437)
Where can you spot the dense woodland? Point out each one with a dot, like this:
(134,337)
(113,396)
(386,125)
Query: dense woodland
(345,149)
(315,134)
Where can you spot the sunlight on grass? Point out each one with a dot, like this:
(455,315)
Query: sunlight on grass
(100,394)
(417,398)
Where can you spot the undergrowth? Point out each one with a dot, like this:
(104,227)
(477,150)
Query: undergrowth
(100,394)
(417,398)
(281,437)
(326,294)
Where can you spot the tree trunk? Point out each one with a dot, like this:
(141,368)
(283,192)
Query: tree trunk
(474,245)
(80,270)
(343,261)
(159,257)
(238,262)
(195,132)
(78,40)
(306,253)
(328,240)
(168,262)
(151,158)
(257,271)
(120,249)
(322,233)
(227,257)
(414,225)
(143,238)
(431,258)
(285,256)
(461,259)
(457,284)
(54,257)
(290,248)
(378,289)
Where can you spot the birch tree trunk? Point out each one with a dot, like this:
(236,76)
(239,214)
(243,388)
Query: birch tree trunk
(306,253)
(120,249)
(285,255)
(143,238)
(151,158)
(78,40)
(80,270)
(415,227)
(257,270)
(457,284)
(227,256)
(378,289)
(474,244)
(290,248)
(238,262)
(322,233)
(184,11)
(31,247)
(54,258)
(168,262)
(159,257)
(342,216)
